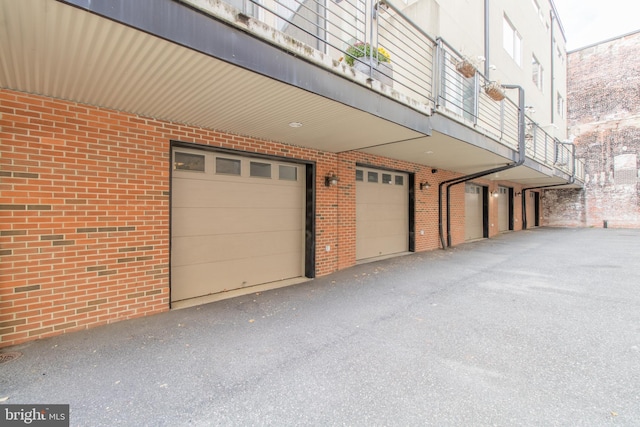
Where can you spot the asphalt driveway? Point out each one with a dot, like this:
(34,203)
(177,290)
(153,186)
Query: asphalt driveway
(534,328)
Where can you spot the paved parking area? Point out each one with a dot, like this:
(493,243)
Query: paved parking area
(532,328)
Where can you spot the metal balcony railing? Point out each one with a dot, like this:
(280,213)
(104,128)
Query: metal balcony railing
(389,45)
(467,99)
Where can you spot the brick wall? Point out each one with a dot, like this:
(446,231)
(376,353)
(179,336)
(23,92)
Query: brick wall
(84,208)
(603,103)
(84,236)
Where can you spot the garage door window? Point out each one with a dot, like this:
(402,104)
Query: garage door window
(227,166)
(386,178)
(260,170)
(188,162)
(359,175)
(288,173)
(372,176)
(399,180)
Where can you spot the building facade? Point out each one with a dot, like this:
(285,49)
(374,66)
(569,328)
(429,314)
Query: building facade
(604,124)
(159,154)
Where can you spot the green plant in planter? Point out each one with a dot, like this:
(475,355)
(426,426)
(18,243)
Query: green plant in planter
(360,50)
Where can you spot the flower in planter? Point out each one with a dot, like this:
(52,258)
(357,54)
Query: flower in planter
(360,50)
(494,91)
(466,67)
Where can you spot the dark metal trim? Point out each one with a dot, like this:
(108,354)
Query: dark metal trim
(485,211)
(310,222)
(382,168)
(412,214)
(511,210)
(231,151)
(170,165)
(536,208)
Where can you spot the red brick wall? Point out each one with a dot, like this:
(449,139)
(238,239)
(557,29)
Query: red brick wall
(84,236)
(603,103)
(84,207)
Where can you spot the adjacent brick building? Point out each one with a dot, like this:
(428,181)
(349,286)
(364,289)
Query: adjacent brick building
(603,103)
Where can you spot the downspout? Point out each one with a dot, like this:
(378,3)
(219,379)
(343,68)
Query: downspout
(552,73)
(486,39)
(522,155)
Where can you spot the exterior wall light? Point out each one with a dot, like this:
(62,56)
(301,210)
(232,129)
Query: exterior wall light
(517,194)
(424,185)
(331,179)
(495,193)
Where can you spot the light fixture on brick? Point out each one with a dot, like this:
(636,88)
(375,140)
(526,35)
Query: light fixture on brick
(331,179)
(424,185)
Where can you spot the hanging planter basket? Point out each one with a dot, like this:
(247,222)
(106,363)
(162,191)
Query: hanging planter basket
(466,68)
(494,91)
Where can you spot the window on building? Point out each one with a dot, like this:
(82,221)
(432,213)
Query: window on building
(560,105)
(536,72)
(536,7)
(512,41)
(560,54)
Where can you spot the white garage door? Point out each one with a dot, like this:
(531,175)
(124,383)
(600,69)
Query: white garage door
(382,213)
(503,209)
(235,222)
(473,212)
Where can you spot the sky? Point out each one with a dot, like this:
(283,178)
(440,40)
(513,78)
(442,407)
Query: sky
(587,22)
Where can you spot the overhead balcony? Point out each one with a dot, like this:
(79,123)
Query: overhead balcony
(359,75)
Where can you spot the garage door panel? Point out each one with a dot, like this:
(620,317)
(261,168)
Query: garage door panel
(369,247)
(382,228)
(503,209)
(375,195)
(199,193)
(197,280)
(474,212)
(233,231)
(382,213)
(376,212)
(205,248)
(197,221)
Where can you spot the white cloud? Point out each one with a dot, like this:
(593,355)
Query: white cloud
(591,21)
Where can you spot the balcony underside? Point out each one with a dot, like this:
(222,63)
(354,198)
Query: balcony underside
(218,77)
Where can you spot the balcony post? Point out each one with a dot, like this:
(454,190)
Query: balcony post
(438,62)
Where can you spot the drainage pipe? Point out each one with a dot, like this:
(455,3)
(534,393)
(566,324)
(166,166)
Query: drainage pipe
(449,183)
(486,39)
(553,76)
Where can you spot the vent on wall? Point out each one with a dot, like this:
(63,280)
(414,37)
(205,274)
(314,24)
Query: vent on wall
(625,169)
